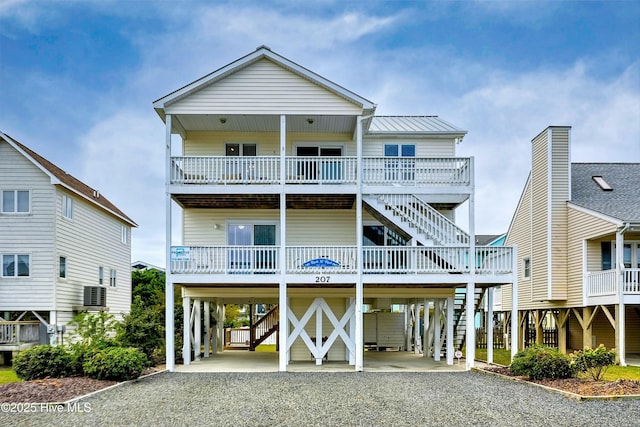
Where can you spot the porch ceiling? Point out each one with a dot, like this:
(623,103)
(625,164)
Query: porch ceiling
(265,123)
(265,201)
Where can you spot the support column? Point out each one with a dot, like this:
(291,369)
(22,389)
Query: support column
(437,329)
(283,334)
(489,325)
(514,304)
(197,329)
(425,330)
(471,286)
(539,329)
(207,328)
(352,333)
(620,308)
(407,327)
(587,329)
(168,299)
(359,335)
(53,321)
(417,344)
(563,315)
(186,332)
(450,334)
(470,326)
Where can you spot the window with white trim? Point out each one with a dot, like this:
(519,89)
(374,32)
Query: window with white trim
(16,265)
(15,201)
(124,234)
(112,278)
(100,275)
(67,207)
(62,272)
(526,268)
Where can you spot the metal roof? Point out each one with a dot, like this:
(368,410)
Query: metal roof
(411,124)
(621,202)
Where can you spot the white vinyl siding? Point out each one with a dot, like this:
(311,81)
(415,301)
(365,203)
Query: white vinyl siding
(267,143)
(263,88)
(427,147)
(31,234)
(581,227)
(305,227)
(93,239)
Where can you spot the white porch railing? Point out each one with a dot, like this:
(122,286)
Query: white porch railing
(321,170)
(603,283)
(338,259)
(600,283)
(321,259)
(224,259)
(379,171)
(225,170)
(631,277)
(416,171)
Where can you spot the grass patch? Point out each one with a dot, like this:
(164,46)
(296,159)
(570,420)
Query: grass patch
(7,375)
(622,373)
(266,348)
(500,355)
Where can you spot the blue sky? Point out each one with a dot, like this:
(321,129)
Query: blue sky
(77,79)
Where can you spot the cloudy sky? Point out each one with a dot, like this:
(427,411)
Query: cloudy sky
(77,79)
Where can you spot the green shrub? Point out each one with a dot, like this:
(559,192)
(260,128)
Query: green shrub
(43,361)
(115,363)
(94,329)
(143,328)
(539,362)
(594,362)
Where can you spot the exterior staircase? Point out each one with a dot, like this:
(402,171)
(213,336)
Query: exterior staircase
(460,315)
(266,326)
(415,218)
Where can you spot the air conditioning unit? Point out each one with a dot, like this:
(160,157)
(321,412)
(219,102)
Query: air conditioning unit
(95,296)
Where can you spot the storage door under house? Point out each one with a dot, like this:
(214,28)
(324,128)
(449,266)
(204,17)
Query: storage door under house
(248,260)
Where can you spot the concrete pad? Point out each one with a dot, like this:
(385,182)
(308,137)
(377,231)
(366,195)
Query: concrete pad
(374,361)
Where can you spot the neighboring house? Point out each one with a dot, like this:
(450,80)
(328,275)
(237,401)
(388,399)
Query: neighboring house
(293,193)
(577,230)
(64,249)
(141,265)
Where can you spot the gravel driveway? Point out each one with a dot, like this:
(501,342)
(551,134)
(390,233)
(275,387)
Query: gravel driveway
(332,399)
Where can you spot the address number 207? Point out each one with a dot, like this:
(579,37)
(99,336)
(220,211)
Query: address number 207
(323,279)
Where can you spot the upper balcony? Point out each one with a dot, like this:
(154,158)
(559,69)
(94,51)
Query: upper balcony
(304,264)
(377,172)
(602,287)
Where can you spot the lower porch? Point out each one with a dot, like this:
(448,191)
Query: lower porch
(374,361)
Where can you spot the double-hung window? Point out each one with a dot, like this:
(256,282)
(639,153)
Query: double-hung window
(112,278)
(15,201)
(63,267)
(100,275)
(16,265)
(124,234)
(526,268)
(67,207)
(402,168)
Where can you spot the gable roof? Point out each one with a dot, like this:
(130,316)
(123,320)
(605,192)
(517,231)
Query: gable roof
(262,52)
(58,176)
(621,202)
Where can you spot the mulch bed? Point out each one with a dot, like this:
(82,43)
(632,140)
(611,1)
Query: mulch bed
(56,390)
(50,389)
(581,386)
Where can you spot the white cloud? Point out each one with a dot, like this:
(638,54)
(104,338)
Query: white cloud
(123,157)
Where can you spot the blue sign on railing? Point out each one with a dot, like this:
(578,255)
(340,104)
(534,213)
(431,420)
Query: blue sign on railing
(321,262)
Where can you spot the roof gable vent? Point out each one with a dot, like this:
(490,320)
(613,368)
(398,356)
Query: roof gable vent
(604,185)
